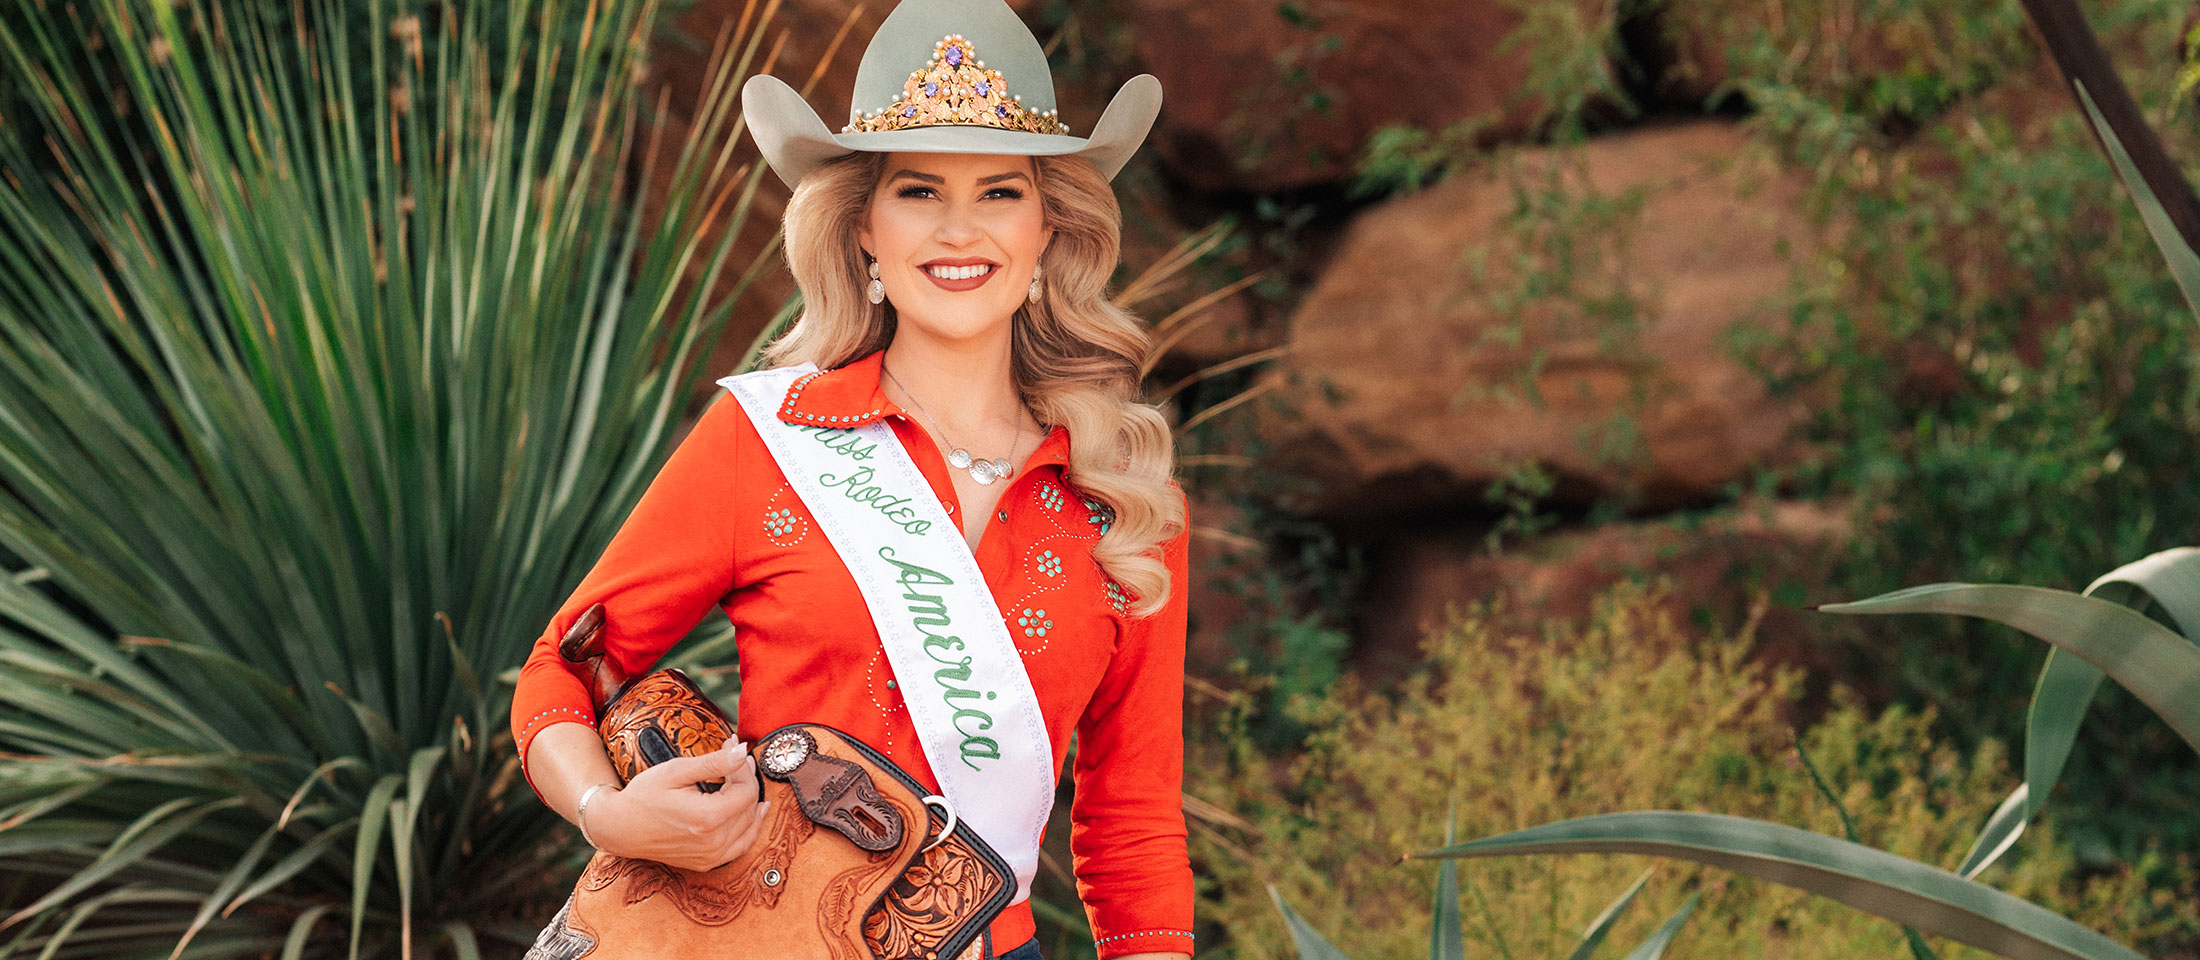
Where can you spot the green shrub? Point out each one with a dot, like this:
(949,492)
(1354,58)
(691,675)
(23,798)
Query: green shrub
(1629,710)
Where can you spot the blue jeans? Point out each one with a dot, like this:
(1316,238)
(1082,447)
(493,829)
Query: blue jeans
(1029,951)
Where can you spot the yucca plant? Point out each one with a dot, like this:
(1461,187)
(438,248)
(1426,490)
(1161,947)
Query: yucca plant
(2103,632)
(333,347)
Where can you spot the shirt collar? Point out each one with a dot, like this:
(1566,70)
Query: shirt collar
(853,394)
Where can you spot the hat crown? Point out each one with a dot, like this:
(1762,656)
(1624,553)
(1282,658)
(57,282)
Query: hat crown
(907,39)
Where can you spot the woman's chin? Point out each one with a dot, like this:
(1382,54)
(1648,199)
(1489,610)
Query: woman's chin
(968,319)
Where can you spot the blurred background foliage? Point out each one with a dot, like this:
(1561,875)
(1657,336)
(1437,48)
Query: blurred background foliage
(1624,709)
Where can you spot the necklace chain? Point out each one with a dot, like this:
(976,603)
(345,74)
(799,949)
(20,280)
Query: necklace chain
(983,471)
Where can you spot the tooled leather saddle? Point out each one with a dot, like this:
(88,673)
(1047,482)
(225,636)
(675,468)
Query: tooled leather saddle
(856,861)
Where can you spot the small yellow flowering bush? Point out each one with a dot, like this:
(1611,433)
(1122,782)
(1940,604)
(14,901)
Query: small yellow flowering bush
(1628,711)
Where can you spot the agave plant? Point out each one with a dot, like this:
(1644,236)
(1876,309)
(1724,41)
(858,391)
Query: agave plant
(1447,929)
(333,347)
(2093,637)
(2103,632)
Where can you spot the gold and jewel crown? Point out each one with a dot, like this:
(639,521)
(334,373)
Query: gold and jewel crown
(955,87)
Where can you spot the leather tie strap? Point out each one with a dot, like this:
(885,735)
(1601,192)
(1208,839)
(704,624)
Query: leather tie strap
(832,792)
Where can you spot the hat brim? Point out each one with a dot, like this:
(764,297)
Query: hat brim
(795,141)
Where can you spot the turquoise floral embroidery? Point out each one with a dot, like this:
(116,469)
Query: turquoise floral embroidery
(1034,622)
(1098,514)
(1050,564)
(1117,598)
(1050,497)
(779,523)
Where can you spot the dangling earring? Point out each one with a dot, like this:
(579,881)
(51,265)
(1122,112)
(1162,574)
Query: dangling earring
(878,286)
(1034,283)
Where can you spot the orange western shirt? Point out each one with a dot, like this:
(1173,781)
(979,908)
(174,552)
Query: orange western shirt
(719,525)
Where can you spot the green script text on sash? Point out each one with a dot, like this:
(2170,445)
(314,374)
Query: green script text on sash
(857,485)
(927,611)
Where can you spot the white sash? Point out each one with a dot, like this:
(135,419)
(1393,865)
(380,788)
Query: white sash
(960,674)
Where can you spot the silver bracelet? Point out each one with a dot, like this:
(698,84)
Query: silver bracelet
(580,813)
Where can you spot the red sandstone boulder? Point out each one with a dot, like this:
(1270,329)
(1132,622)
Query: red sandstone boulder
(1262,95)
(1426,368)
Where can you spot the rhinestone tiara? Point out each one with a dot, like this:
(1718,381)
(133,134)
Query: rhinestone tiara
(955,88)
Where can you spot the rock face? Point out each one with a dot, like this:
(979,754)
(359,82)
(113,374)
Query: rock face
(1718,567)
(1418,384)
(1347,68)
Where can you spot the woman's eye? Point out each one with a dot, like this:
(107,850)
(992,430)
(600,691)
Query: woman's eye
(1010,192)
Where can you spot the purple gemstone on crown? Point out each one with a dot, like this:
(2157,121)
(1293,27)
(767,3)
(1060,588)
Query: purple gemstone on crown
(954,56)
(982,86)
(1000,109)
(909,111)
(931,88)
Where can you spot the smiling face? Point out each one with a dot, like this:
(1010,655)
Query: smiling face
(956,236)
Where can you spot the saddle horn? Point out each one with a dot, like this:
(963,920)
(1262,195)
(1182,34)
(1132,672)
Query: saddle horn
(583,645)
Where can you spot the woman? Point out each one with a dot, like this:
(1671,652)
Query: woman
(952,245)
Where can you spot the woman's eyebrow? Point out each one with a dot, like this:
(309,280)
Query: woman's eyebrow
(982,181)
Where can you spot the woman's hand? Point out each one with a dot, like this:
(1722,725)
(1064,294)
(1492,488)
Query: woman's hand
(661,816)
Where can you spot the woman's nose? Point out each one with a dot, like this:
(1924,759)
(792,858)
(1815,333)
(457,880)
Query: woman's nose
(959,223)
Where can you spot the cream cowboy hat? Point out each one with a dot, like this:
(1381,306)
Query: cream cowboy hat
(947,76)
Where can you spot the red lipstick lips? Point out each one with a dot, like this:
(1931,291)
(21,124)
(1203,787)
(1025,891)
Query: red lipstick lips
(963,284)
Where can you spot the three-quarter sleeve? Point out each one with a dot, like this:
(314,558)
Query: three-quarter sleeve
(668,564)
(1126,837)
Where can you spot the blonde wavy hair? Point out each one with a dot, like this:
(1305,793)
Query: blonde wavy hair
(1076,355)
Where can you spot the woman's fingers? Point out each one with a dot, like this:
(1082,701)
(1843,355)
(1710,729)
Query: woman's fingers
(719,807)
(742,782)
(745,828)
(692,829)
(684,772)
(724,843)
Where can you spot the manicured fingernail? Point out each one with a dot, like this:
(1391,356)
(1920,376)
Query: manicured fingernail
(739,749)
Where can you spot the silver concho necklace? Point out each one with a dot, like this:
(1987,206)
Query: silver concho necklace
(983,471)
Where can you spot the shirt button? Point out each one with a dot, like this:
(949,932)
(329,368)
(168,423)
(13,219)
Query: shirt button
(1003,516)
(950,507)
